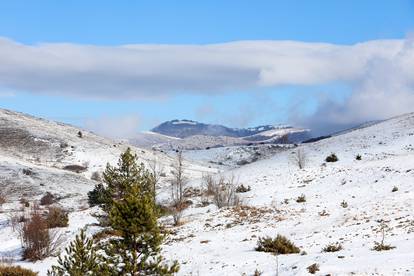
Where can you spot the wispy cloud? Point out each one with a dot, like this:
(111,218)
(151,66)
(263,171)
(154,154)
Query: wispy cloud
(114,127)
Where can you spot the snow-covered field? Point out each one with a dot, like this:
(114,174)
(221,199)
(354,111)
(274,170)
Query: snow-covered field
(387,151)
(221,241)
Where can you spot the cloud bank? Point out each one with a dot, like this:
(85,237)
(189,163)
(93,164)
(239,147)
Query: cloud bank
(380,72)
(114,127)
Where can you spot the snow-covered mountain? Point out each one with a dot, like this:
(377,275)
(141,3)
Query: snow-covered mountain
(192,135)
(186,128)
(345,202)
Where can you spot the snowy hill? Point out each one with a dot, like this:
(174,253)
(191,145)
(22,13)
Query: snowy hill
(366,188)
(343,202)
(38,155)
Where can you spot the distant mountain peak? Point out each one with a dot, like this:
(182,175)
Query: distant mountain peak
(185,128)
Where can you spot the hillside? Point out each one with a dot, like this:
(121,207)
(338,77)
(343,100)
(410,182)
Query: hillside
(366,186)
(38,156)
(345,201)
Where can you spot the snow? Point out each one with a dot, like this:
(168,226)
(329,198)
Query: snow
(184,122)
(387,161)
(280,132)
(216,241)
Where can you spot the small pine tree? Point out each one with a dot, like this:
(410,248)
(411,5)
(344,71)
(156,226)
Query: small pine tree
(99,196)
(81,259)
(128,172)
(137,250)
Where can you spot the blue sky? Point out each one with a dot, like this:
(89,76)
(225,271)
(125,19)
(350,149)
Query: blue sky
(114,23)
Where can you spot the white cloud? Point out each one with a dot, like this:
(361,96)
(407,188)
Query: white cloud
(380,71)
(136,71)
(114,127)
(385,89)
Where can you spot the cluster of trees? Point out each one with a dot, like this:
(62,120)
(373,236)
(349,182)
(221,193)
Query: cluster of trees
(128,199)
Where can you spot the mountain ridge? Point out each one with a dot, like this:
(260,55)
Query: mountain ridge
(185,128)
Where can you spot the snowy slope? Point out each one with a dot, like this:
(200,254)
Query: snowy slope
(52,144)
(221,241)
(33,156)
(148,139)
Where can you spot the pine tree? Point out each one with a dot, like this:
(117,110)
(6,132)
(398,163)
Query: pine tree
(129,200)
(81,259)
(99,196)
(127,173)
(137,250)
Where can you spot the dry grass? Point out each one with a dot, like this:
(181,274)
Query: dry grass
(7,270)
(251,214)
(332,247)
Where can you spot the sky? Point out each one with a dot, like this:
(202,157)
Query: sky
(118,67)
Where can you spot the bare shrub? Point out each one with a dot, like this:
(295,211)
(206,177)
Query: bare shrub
(57,217)
(300,158)
(301,199)
(177,213)
(381,246)
(47,199)
(157,171)
(224,193)
(313,268)
(38,242)
(2,198)
(178,183)
(242,189)
(178,180)
(15,218)
(208,183)
(5,194)
(331,158)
